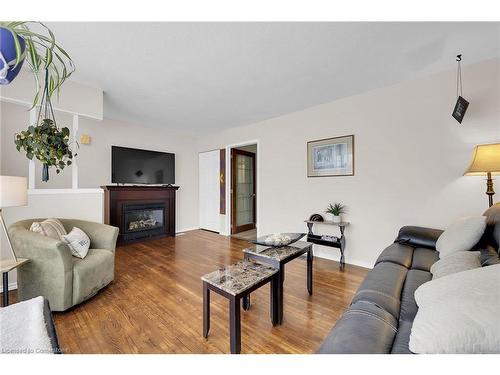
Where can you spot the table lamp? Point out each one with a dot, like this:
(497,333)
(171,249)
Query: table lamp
(485,161)
(13,193)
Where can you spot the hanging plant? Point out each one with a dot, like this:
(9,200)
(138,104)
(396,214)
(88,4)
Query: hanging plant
(45,141)
(18,42)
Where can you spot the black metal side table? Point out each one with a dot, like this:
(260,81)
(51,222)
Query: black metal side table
(318,238)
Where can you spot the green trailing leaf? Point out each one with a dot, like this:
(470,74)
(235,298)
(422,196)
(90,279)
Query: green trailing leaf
(17,46)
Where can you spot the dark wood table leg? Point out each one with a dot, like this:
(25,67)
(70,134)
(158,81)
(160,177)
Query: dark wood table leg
(5,289)
(234,325)
(206,310)
(342,248)
(310,271)
(246,302)
(274,300)
(246,299)
(281,280)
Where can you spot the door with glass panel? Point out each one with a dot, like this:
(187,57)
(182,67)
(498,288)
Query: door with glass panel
(243,193)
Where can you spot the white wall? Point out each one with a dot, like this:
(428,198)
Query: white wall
(94,160)
(409,158)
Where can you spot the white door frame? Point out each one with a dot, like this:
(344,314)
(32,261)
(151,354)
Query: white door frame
(228,184)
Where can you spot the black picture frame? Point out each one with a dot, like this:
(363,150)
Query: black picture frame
(460,109)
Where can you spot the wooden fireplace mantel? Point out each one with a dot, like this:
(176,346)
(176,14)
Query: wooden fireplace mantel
(116,197)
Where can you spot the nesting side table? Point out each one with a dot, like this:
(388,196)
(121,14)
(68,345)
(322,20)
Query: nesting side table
(234,282)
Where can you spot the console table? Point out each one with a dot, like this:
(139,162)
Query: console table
(317,238)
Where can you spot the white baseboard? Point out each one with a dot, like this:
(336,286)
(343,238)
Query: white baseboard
(186,229)
(12,286)
(348,261)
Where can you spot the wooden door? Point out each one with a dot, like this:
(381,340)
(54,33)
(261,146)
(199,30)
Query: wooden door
(243,191)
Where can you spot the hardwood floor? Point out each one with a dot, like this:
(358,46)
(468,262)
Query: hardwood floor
(247,235)
(155,303)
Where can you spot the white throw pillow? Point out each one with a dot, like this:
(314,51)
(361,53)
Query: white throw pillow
(461,235)
(52,228)
(456,262)
(458,313)
(78,242)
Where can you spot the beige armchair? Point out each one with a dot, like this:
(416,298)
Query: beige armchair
(54,273)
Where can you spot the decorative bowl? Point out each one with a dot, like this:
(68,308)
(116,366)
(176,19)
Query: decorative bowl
(278,239)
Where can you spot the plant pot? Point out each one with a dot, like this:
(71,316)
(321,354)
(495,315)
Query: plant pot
(8,56)
(337,218)
(45,173)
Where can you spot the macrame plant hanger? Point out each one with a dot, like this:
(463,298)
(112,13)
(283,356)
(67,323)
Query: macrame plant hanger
(45,104)
(48,114)
(459,76)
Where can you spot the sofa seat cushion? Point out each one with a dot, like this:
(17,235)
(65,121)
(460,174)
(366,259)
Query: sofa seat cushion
(382,287)
(92,273)
(398,254)
(409,308)
(402,339)
(424,258)
(364,328)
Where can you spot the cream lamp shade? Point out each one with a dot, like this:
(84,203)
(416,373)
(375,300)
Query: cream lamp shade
(13,191)
(485,159)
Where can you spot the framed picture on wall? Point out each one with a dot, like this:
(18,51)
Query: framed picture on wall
(331,157)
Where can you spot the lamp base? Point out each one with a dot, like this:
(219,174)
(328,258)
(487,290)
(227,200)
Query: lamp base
(2,222)
(489,189)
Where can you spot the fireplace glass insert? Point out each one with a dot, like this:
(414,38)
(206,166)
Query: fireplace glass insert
(143,219)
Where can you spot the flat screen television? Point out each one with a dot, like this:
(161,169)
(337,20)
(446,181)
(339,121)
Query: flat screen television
(135,166)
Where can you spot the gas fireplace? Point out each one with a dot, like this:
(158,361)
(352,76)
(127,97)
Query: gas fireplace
(141,212)
(143,220)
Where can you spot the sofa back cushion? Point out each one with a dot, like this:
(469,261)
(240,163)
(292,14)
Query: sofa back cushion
(462,235)
(456,262)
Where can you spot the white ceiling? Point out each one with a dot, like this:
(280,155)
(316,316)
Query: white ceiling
(203,77)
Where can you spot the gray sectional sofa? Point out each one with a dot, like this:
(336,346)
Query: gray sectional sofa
(381,315)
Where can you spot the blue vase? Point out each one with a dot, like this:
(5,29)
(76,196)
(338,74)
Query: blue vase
(45,173)
(8,56)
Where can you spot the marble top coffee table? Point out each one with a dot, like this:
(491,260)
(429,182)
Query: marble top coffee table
(277,257)
(234,282)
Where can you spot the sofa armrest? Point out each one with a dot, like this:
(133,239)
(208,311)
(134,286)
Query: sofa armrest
(34,246)
(418,236)
(101,236)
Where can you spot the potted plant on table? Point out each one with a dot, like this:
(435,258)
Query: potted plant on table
(336,210)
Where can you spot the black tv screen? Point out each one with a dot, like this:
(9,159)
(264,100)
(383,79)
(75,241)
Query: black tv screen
(134,166)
